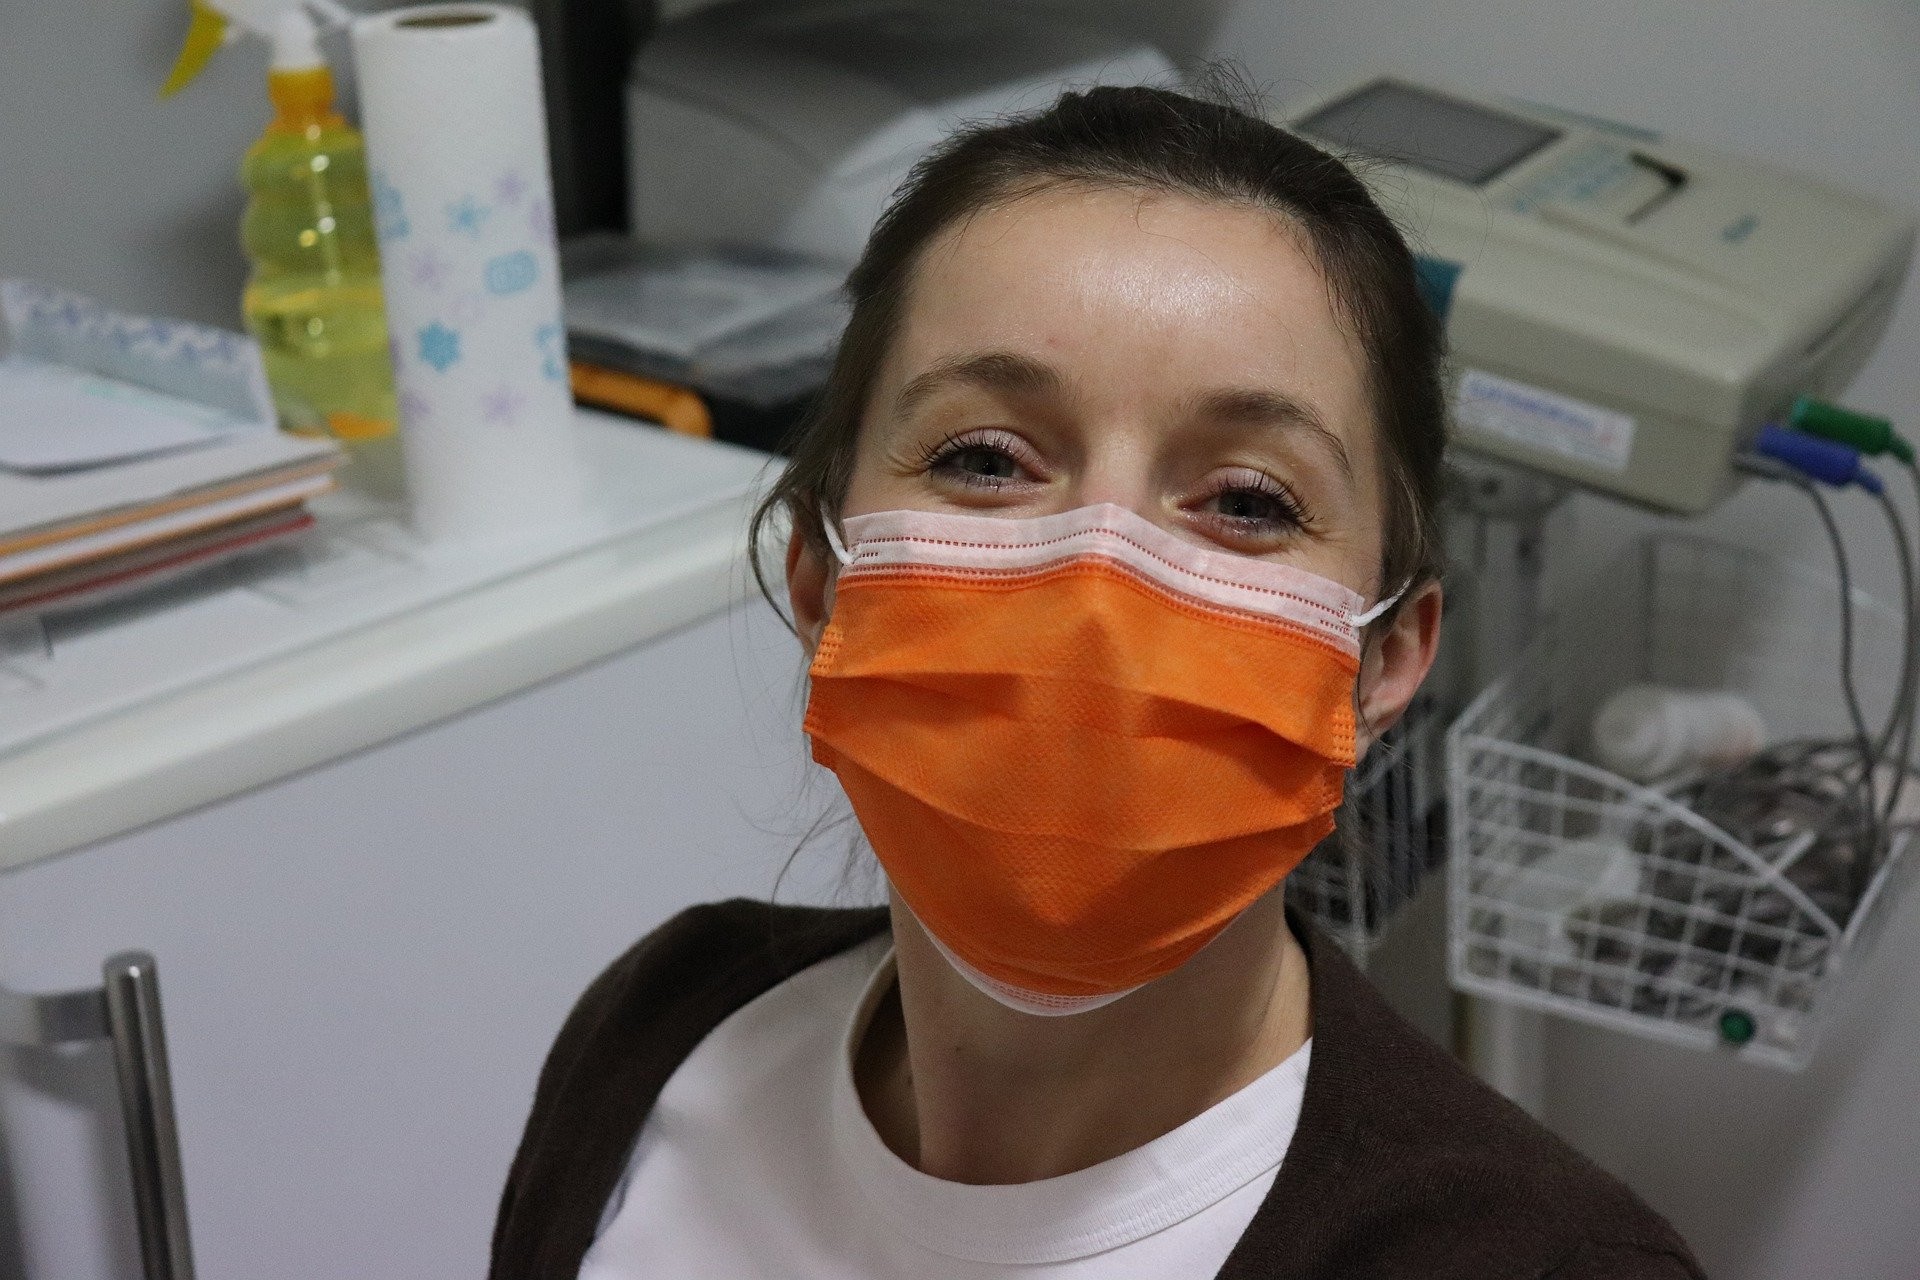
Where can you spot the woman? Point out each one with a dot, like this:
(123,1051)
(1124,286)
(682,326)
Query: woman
(1111,547)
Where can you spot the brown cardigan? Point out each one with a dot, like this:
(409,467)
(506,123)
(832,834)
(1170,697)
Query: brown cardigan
(1402,1165)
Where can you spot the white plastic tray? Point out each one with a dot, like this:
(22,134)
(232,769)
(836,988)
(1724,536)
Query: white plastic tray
(1580,892)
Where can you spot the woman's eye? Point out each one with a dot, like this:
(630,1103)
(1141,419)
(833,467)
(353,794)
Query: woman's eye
(1265,507)
(982,461)
(1246,504)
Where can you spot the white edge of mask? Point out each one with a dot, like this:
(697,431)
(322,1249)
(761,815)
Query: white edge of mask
(1020,1000)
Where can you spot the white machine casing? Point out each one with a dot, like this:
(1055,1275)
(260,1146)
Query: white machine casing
(788,126)
(1655,302)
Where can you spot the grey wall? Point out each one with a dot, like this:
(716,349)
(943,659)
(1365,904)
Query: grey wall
(103,187)
(1771,1176)
(107,189)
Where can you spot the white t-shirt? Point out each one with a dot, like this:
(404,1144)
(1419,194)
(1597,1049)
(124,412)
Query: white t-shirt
(758,1160)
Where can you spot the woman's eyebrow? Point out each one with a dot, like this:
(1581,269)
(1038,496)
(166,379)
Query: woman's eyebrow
(1002,371)
(1259,407)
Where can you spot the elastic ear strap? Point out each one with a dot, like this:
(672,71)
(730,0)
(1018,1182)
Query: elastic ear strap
(840,552)
(1379,608)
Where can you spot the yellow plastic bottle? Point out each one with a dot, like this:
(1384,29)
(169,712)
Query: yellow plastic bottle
(313,299)
(313,296)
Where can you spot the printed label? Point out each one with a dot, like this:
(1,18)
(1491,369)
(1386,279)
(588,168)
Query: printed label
(1545,420)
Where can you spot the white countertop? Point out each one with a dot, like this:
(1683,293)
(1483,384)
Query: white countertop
(363,635)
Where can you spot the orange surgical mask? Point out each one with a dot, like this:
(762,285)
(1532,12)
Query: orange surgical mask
(1080,745)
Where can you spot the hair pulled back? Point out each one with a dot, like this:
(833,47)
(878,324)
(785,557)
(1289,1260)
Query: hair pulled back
(1157,141)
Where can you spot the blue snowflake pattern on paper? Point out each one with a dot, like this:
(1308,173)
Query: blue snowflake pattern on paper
(540,221)
(86,332)
(134,333)
(552,341)
(511,272)
(428,270)
(440,346)
(510,188)
(467,216)
(389,215)
(502,405)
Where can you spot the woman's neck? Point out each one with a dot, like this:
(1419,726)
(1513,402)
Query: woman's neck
(968,1090)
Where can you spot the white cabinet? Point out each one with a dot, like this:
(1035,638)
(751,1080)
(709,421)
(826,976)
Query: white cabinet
(363,962)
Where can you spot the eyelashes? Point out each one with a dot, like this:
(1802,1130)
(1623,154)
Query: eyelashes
(1256,502)
(979,459)
(1238,504)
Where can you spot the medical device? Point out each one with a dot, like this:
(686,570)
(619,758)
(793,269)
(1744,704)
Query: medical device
(1653,320)
(1625,310)
(788,126)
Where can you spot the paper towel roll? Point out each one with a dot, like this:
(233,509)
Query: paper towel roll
(456,137)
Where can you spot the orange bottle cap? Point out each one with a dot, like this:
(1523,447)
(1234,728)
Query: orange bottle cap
(302,98)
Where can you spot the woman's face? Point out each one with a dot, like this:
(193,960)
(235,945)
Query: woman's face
(1176,357)
(1173,356)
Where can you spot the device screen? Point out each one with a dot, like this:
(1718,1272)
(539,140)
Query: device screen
(1444,136)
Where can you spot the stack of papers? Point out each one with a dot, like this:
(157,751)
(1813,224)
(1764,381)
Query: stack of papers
(133,450)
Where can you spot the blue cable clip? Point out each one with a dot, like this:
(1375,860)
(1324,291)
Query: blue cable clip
(1827,461)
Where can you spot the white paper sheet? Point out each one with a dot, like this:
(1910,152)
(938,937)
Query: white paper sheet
(59,419)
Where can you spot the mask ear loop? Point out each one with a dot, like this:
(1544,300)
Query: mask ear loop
(840,551)
(1359,620)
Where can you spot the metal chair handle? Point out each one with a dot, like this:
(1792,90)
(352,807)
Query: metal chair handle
(125,1010)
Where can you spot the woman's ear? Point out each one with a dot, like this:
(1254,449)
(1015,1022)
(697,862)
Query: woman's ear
(809,589)
(1394,662)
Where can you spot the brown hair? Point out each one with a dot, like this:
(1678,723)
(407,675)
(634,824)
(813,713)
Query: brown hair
(1161,141)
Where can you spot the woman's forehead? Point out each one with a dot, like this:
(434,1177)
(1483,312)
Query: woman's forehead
(1143,294)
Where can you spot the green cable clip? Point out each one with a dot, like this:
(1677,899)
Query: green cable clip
(1863,431)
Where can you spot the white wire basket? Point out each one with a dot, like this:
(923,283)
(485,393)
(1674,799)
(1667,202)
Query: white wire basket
(1577,891)
(1390,834)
